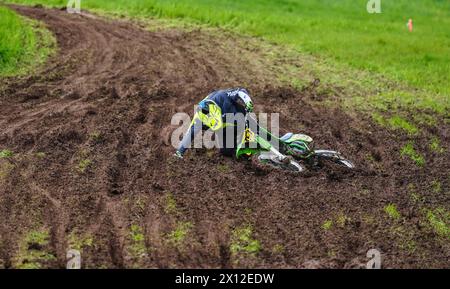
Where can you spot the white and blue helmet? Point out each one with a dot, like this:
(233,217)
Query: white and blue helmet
(243,99)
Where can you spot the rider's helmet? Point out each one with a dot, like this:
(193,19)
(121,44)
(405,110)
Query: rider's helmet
(243,101)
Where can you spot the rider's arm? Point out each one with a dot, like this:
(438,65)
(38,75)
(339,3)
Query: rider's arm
(194,129)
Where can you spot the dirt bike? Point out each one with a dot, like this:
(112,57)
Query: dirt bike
(294,152)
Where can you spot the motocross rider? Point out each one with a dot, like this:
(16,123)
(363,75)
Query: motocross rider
(211,113)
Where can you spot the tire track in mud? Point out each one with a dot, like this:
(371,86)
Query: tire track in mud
(98,115)
(58,222)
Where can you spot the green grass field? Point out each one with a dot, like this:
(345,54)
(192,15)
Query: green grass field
(22,44)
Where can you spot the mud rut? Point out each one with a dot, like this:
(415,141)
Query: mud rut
(107,97)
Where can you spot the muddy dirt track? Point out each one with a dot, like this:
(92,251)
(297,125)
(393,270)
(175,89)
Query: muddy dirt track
(91,168)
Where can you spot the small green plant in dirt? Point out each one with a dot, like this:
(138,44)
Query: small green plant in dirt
(416,198)
(170,204)
(331,253)
(435,145)
(392,212)
(78,242)
(179,234)
(327,225)
(140,204)
(37,237)
(425,119)
(370,158)
(342,220)
(395,122)
(379,119)
(436,186)
(408,245)
(96,136)
(5,168)
(278,249)
(6,154)
(414,195)
(84,164)
(409,151)
(137,247)
(40,155)
(439,220)
(368,219)
(243,242)
(223,168)
(32,251)
(404,237)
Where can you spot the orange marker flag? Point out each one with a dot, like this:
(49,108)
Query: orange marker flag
(410,25)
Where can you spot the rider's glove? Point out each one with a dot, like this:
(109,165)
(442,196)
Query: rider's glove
(178,154)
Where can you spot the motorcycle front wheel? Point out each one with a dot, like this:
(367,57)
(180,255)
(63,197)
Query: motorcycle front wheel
(320,156)
(268,161)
